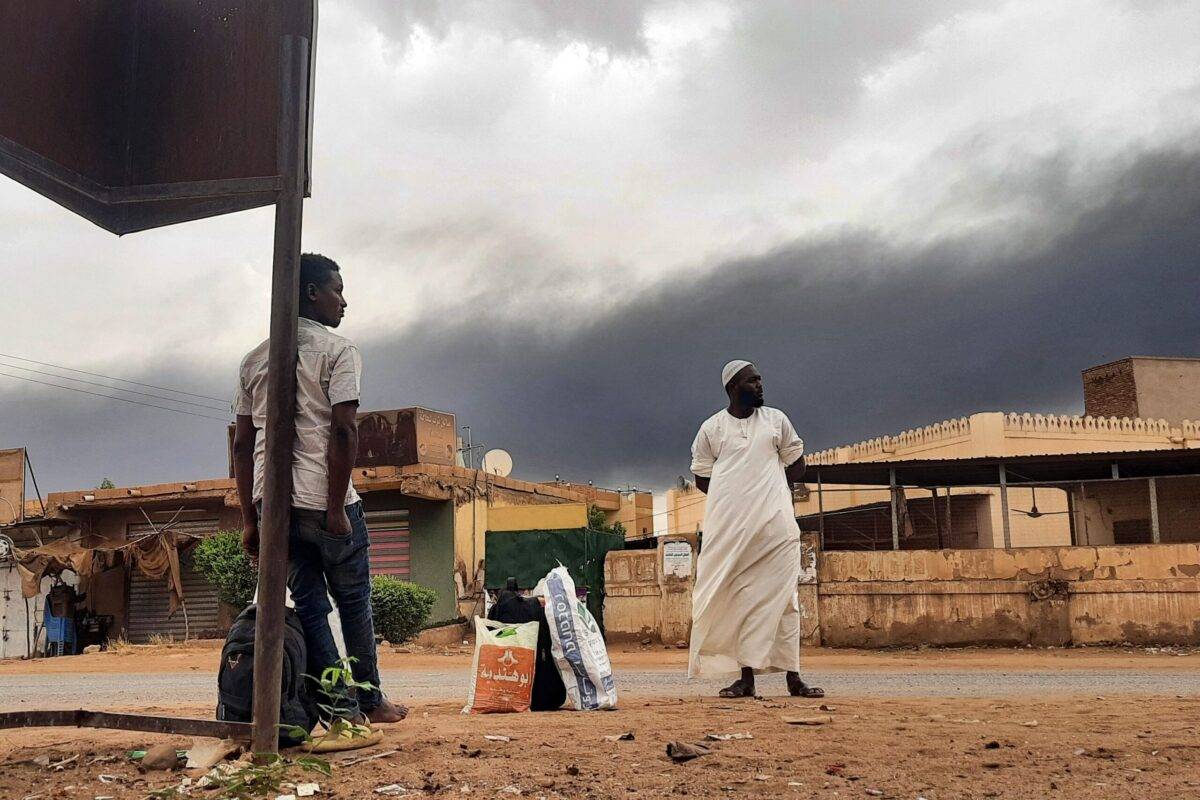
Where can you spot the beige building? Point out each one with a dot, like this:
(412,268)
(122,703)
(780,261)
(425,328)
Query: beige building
(634,508)
(1039,514)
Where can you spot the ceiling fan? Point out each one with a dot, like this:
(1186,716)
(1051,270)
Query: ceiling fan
(1034,513)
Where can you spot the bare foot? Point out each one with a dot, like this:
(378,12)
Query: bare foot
(387,712)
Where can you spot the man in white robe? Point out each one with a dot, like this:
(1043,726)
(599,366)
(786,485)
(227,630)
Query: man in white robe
(745,606)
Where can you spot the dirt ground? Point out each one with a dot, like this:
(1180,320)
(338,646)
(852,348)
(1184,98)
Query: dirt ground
(935,749)
(941,747)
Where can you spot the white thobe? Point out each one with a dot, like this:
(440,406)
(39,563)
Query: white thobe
(745,605)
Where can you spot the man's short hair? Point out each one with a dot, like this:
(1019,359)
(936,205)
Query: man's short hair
(316,269)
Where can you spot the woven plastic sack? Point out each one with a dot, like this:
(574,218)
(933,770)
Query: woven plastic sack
(502,672)
(577,645)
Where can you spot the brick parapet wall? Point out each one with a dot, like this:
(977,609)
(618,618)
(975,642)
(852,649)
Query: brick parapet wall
(1110,390)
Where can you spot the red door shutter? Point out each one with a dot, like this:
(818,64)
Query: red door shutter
(389,544)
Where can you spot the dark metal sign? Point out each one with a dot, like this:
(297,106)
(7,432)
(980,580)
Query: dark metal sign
(140,113)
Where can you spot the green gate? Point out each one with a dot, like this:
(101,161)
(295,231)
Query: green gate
(529,555)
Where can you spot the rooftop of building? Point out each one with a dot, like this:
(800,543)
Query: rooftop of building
(996,434)
(425,481)
(1113,363)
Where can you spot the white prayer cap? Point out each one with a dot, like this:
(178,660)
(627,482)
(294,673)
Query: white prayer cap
(731,369)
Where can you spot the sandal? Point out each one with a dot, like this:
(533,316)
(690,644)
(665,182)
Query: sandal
(804,690)
(737,689)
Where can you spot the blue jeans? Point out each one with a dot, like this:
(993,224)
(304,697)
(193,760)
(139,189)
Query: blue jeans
(319,565)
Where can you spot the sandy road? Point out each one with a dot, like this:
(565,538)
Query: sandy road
(1089,724)
(185,675)
(414,687)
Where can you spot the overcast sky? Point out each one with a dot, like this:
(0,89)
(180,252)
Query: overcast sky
(559,218)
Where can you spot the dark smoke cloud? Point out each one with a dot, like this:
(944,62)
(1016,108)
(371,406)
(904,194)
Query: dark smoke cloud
(856,336)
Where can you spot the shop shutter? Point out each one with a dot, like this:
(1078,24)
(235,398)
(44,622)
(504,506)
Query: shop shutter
(389,543)
(149,600)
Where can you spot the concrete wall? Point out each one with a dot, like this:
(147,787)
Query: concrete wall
(631,607)
(647,594)
(1167,388)
(1058,596)
(1043,596)
(561,516)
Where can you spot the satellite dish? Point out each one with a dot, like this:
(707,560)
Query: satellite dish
(498,462)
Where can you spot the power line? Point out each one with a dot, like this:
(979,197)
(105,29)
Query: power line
(119,380)
(697,501)
(113,397)
(106,386)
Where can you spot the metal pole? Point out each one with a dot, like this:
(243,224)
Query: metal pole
(1071,522)
(949,519)
(895,511)
(281,396)
(1087,535)
(821,508)
(1004,504)
(29,464)
(937,521)
(1154,533)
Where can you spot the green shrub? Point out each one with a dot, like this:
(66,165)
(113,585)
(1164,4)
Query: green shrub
(399,608)
(223,563)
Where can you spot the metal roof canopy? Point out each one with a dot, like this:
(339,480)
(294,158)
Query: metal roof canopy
(140,114)
(1026,470)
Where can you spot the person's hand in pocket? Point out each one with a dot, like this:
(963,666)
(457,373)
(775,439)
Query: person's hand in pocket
(250,540)
(336,522)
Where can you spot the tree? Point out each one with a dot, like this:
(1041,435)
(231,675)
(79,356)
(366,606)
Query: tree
(106,484)
(598,522)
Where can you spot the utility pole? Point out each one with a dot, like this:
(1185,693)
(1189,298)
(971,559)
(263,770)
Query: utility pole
(468,450)
(281,396)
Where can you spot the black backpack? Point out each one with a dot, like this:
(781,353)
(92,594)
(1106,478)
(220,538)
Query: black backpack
(235,678)
(549,692)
